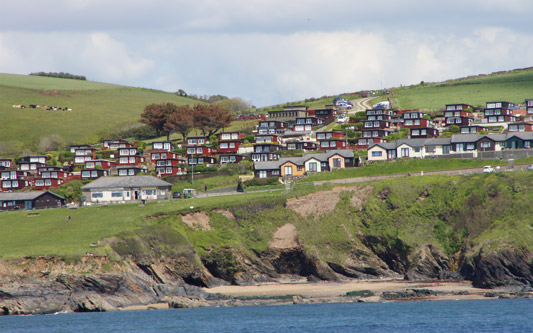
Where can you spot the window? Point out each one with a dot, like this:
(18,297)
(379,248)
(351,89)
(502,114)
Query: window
(288,170)
(223,146)
(201,141)
(485,144)
(299,168)
(313,166)
(470,146)
(199,150)
(415,132)
(336,162)
(430,149)
(163,156)
(39,182)
(94,174)
(47,182)
(96,195)
(123,172)
(404,152)
(131,172)
(275,172)
(116,194)
(417,150)
(151,192)
(377,153)
(262,174)
(191,151)
(169,170)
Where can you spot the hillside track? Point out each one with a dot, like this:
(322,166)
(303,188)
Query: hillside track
(361,105)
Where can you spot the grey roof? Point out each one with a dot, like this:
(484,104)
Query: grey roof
(412,142)
(460,138)
(7,196)
(267,165)
(521,135)
(300,160)
(438,141)
(125,181)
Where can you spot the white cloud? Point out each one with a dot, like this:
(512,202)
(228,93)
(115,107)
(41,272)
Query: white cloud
(267,51)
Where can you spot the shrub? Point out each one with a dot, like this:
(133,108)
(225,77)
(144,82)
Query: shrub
(262,181)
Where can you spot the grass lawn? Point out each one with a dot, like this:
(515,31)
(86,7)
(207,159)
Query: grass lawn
(401,166)
(516,87)
(95,107)
(47,234)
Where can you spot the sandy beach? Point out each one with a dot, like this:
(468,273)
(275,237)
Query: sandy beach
(335,292)
(333,289)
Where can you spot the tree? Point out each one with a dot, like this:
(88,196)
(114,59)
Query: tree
(181,121)
(155,116)
(234,105)
(211,118)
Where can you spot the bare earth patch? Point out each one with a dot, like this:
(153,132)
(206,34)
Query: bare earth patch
(227,214)
(286,237)
(323,202)
(197,220)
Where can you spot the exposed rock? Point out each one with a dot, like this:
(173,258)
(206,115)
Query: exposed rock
(430,263)
(500,268)
(185,303)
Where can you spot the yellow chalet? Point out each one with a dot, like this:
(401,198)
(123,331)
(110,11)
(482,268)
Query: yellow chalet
(289,168)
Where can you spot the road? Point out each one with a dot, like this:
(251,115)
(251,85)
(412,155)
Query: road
(441,172)
(361,104)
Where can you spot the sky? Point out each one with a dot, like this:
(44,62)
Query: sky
(266,51)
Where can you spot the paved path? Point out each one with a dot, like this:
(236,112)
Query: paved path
(361,105)
(441,172)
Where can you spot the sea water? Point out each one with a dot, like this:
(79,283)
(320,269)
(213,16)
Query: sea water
(437,316)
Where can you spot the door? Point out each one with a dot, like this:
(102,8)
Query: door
(28,204)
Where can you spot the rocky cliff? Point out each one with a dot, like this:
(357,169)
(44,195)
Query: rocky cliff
(433,228)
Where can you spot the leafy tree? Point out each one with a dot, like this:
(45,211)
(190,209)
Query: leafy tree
(235,105)
(155,116)
(181,121)
(211,118)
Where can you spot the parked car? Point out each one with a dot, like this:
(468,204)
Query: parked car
(530,166)
(488,168)
(176,195)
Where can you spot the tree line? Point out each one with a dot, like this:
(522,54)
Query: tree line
(60,75)
(169,118)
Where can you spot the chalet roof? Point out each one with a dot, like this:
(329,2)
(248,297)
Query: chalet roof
(126,181)
(267,165)
(438,141)
(8,196)
(461,138)
(521,135)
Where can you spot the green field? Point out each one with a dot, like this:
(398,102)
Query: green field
(95,107)
(513,86)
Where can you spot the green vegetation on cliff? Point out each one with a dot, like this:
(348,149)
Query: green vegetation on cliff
(372,228)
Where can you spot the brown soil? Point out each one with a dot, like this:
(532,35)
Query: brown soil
(323,202)
(54,93)
(286,237)
(197,220)
(229,215)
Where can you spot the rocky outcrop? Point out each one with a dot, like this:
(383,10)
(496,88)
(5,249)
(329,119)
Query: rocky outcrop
(508,267)
(430,263)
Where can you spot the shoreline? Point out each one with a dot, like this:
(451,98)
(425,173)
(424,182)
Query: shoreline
(365,291)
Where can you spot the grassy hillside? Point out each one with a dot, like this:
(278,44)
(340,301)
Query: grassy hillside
(95,107)
(513,86)
(447,211)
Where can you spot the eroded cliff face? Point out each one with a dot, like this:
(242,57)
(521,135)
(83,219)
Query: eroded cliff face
(413,231)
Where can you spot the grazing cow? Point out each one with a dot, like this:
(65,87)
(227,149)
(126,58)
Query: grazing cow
(18,106)
(33,106)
